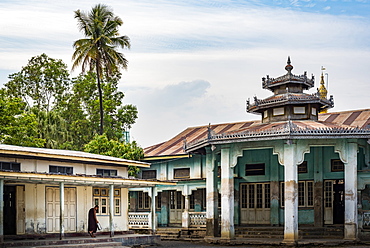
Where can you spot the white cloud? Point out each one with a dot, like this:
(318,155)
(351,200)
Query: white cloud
(198,62)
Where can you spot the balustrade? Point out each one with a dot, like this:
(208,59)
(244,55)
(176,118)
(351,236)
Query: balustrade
(139,220)
(366,219)
(197,219)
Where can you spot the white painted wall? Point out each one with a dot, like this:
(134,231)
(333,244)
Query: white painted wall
(35,198)
(42,166)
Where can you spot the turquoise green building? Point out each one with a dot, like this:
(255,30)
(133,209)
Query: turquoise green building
(297,165)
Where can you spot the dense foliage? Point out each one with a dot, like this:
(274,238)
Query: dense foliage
(104,146)
(41,106)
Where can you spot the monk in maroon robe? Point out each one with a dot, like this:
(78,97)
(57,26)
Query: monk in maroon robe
(93,221)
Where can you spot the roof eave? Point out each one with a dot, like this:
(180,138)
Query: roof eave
(166,157)
(238,139)
(76,159)
(78,179)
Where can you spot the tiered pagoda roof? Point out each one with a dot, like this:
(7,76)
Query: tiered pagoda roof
(288,114)
(288,94)
(289,78)
(355,123)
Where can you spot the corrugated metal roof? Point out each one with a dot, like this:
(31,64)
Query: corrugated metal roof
(45,153)
(174,146)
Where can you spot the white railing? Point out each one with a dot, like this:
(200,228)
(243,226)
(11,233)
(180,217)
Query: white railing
(197,218)
(366,219)
(139,220)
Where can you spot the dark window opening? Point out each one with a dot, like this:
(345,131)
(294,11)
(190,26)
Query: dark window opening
(181,173)
(143,200)
(149,174)
(302,168)
(60,169)
(337,165)
(255,169)
(10,166)
(104,172)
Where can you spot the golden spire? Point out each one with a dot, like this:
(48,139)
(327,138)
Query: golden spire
(323,93)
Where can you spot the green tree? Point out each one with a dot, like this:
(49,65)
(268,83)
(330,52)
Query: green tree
(81,114)
(98,51)
(118,117)
(52,128)
(66,114)
(109,147)
(17,127)
(43,84)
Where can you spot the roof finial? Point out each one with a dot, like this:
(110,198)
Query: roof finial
(323,92)
(289,67)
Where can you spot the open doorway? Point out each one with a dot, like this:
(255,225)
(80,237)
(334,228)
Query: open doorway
(334,201)
(10,210)
(338,202)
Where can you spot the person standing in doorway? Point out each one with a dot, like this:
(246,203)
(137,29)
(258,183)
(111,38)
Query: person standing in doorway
(93,221)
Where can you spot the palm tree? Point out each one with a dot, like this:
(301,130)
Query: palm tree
(98,51)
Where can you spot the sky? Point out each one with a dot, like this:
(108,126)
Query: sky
(196,62)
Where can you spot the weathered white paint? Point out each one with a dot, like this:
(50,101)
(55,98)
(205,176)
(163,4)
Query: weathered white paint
(350,192)
(196,169)
(61,211)
(84,195)
(33,199)
(185,214)
(227,195)
(34,165)
(153,218)
(291,194)
(40,211)
(35,211)
(163,171)
(211,195)
(111,209)
(122,220)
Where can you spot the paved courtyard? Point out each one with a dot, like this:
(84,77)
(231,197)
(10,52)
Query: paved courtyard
(200,244)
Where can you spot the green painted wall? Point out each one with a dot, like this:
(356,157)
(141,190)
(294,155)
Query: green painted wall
(318,170)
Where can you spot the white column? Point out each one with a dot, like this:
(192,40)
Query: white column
(212,195)
(185,214)
(153,216)
(1,211)
(61,206)
(350,192)
(227,196)
(111,209)
(291,194)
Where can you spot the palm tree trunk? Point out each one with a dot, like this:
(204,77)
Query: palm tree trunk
(100,102)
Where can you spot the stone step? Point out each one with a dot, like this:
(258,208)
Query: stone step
(168,229)
(170,236)
(259,231)
(260,236)
(278,232)
(85,245)
(99,241)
